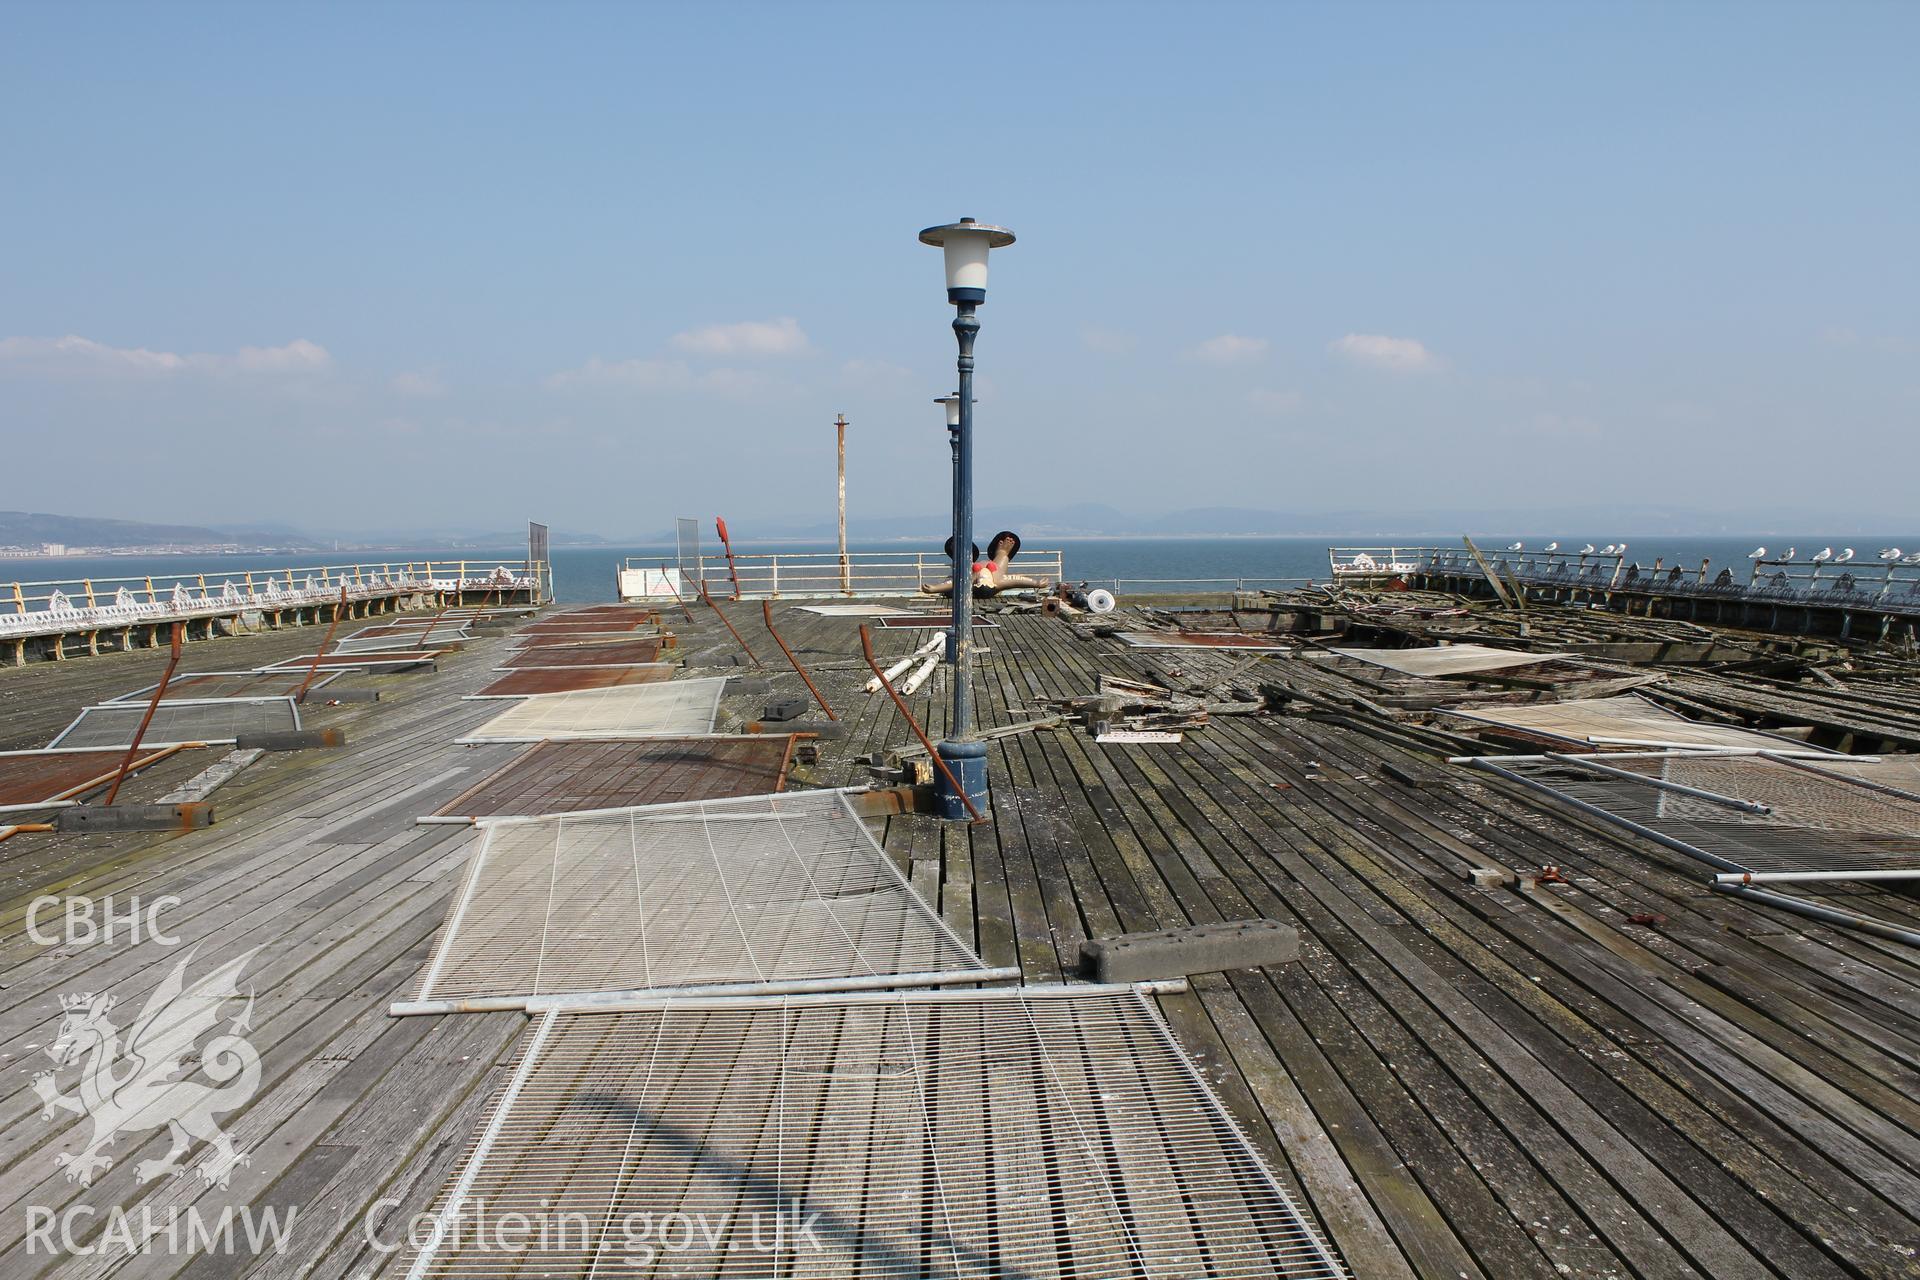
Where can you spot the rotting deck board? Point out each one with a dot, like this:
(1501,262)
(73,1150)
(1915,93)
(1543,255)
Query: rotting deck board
(1467,1081)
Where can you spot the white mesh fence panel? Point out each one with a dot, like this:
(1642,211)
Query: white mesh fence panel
(623,711)
(757,889)
(209,720)
(1038,1133)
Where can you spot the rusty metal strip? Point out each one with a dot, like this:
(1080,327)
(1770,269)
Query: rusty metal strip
(15,793)
(313,668)
(160,691)
(866,646)
(708,596)
(684,606)
(766,612)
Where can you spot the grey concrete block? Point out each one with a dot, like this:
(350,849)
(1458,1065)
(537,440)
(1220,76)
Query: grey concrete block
(327,693)
(135,817)
(293,740)
(784,709)
(1175,953)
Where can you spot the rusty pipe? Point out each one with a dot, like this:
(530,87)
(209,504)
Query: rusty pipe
(313,668)
(766,612)
(708,596)
(866,647)
(153,705)
(720,527)
(684,607)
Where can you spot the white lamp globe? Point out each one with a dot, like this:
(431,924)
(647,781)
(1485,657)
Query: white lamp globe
(966,243)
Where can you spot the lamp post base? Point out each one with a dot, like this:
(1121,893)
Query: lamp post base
(968,763)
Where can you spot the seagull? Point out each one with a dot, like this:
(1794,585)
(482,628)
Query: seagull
(1823,555)
(1912,557)
(1890,553)
(1622,548)
(1553,546)
(1844,556)
(1516,546)
(1758,553)
(1608,550)
(1587,550)
(1789,555)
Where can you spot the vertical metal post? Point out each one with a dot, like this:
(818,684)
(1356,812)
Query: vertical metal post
(840,430)
(966,756)
(178,634)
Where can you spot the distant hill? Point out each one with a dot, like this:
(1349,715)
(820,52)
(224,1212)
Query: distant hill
(1092,520)
(30,528)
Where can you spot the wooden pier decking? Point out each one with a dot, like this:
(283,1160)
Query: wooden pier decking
(1612,1073)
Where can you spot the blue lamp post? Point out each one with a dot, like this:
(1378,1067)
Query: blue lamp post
(966,244)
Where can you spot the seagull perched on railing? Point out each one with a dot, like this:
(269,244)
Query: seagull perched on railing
(1553,546)
(1912,557)
(1844,556)
(1516,546)
(1587,550)
(1789,555)
(1823,555)
(1621,549)
(1758,553)
(1889,553)
(1608,550)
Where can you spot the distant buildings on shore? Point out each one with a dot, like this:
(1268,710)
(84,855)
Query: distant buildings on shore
(47,550)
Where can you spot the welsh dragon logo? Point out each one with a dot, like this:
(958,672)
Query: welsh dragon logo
(141,1083)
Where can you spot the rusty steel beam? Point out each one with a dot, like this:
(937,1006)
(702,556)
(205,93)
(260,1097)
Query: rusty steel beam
(866,647)
(153,704)
(313,668)
(721,527)
(684,606)
(766,612)
(708,596)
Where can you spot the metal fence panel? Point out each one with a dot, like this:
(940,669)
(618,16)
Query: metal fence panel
(1040,1133)
(756,889)
(188,720)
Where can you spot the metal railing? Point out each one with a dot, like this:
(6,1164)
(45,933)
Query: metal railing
(1196,586)
(1882,586)
(1534,568)
(1377,562)
(67,604)
(823,575)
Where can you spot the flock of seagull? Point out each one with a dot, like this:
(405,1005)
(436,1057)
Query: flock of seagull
(1891,555)
(1611,549)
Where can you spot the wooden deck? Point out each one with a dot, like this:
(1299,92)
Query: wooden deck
(1619,1075)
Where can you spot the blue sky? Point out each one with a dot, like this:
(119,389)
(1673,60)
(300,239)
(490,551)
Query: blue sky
(358,266)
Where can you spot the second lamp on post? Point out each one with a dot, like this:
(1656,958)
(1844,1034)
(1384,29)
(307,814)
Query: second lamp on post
(966,244)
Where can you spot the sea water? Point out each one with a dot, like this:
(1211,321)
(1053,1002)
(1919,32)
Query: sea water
(583,574)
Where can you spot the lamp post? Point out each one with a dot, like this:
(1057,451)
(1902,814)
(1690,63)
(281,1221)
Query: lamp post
(951,403)
(840,430)
(966,244)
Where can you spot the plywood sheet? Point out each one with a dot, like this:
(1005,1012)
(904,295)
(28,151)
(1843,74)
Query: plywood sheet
(616,653)
(531,680)
(1447,659)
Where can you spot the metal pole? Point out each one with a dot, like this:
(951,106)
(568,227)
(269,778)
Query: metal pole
(766,612)
(153,705)
(965,755)
(952,784)
(840,430)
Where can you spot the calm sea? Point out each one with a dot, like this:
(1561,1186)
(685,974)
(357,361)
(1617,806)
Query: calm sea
(1142,564)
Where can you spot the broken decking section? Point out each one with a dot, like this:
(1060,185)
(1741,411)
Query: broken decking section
(1615,1072)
